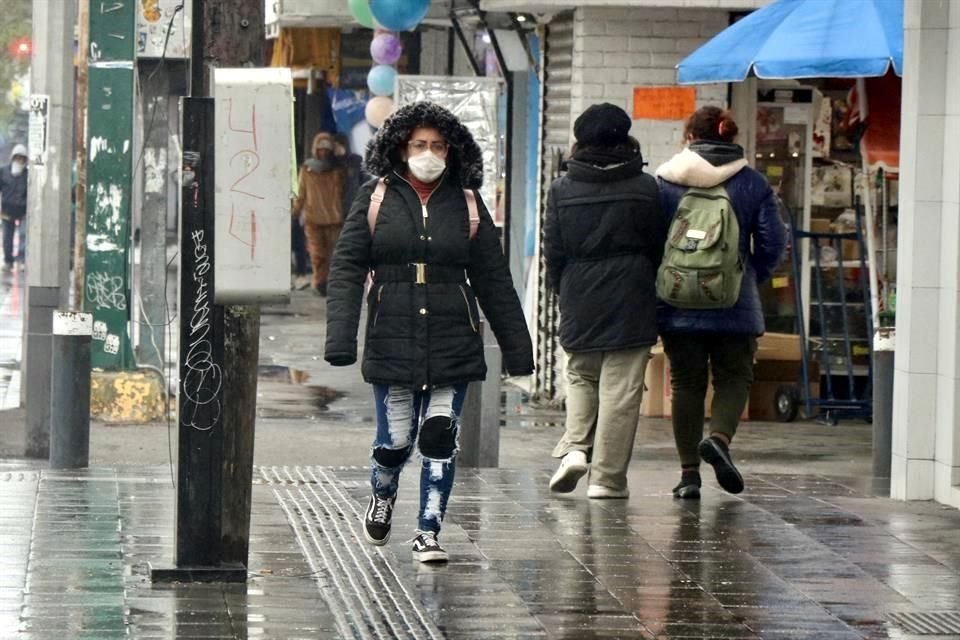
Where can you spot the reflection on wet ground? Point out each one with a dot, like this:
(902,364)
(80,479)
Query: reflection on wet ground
(11,337)
(287,394)
(795,557)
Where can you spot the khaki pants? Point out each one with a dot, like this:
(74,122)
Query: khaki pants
(604,390)
(321,240)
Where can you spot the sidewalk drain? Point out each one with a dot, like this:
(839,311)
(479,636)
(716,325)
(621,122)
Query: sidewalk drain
(928,623)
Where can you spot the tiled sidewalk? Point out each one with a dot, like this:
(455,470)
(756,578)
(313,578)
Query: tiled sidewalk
(794,557)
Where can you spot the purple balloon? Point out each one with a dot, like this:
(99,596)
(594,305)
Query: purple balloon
(386,48)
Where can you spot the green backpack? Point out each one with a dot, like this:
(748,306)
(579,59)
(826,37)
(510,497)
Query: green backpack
(702,267)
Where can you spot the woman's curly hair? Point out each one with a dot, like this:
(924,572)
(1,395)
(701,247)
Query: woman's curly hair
(464,160)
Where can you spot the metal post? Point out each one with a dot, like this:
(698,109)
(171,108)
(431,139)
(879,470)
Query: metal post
(480,417)
(883,357)
(48,211)
(70,390)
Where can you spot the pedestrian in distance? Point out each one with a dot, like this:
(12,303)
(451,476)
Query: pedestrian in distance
(434,255)
(352,164)
(319,206)
(725,238)
(603,239)
(13,206)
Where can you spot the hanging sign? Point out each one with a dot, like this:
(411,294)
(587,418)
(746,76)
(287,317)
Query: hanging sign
(663,103)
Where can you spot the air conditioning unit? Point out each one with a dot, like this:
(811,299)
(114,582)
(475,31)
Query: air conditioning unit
(282,14)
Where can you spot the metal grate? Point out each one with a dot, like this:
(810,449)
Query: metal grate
(928,623)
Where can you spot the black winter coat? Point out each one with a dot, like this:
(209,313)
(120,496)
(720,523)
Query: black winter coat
(13,193)
(604,238)
(422,334)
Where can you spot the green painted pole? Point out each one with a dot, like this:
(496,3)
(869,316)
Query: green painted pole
(106,287)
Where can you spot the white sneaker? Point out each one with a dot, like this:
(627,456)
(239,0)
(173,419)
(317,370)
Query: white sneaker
(573,466)
(600,492)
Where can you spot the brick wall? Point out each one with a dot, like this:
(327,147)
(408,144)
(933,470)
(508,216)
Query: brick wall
(617,49)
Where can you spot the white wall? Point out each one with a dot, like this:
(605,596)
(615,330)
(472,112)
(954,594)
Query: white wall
(926,415)
(618,49)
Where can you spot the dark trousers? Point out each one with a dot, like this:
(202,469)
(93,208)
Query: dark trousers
(298,244)
(9,237)
(693,356)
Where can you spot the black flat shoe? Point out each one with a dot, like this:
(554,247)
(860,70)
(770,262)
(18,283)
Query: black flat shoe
(689,487)
(715,453)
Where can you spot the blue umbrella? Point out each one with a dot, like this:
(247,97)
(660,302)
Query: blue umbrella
(803,39)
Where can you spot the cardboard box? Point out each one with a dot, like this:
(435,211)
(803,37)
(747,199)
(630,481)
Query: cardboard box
(652,404)
(777,363)
(778,346)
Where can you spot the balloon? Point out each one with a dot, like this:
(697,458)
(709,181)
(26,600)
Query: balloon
(386,48)
(380,80)
(399,15)
(360,10)
(377,110)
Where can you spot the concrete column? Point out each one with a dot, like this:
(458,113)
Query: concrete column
(48,215)
(926,445)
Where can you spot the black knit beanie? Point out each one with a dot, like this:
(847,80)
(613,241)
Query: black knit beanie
(602,125)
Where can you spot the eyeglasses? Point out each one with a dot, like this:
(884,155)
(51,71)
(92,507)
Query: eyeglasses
(437,146)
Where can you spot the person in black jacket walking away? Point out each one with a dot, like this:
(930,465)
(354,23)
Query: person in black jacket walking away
(604,237)
(723,338)
(13,204)
(434,254)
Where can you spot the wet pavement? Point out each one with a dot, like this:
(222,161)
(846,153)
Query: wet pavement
(794,557)
(11,336)
(811,549)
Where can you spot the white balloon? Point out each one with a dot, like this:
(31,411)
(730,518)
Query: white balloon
(377,110)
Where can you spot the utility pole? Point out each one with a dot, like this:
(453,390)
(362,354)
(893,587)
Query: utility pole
(218,368)
(234,37)
(48,210)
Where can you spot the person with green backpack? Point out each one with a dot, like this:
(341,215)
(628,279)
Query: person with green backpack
(725,238)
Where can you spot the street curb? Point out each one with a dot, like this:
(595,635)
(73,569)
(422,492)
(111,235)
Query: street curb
(127,397)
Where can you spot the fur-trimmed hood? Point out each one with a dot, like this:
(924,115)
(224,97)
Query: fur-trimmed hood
(690,169)
(464,160)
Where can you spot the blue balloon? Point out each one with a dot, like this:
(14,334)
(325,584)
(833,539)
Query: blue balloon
(380,80)
(399,15)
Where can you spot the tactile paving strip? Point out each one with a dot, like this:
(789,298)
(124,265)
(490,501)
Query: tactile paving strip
(355,579)
(928,623)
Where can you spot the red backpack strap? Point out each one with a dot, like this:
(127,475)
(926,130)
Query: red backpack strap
(376,199)
(472,212)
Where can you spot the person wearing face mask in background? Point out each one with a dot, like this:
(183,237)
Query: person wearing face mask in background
(13,206)
(431,267)
(319,205)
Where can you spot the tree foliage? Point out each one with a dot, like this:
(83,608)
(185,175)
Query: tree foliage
(14,24)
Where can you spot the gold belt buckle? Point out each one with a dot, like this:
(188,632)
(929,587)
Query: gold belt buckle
(421,277)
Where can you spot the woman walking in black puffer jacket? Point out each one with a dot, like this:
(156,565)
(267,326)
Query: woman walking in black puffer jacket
(434,255)
(604,237)
(722,339)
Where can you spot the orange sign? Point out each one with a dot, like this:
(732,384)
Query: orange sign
(663,103)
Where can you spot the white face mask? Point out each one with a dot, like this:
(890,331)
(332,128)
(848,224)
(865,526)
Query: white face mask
(426,167)
(16,167)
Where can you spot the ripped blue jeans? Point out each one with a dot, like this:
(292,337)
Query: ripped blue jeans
(428,420)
